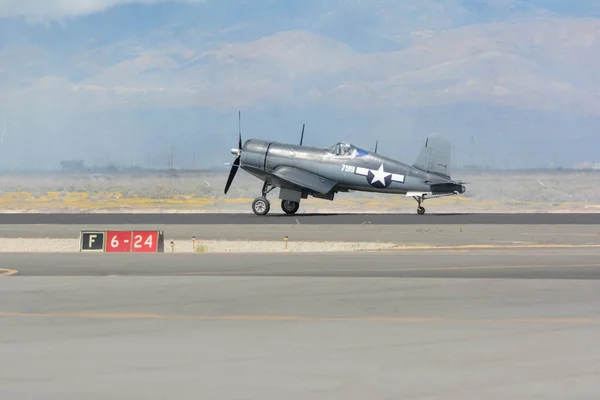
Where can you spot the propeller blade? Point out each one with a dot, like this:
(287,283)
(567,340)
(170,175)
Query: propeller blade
(376,143)
(234,169)
(240,130)
(302,136)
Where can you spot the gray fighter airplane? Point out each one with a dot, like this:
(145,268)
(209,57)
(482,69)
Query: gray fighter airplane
(301,171)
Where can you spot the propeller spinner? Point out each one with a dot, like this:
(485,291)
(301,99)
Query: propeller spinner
(238,153)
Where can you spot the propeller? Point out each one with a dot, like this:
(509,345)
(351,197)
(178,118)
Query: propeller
(238,153)
(376,143)
(240,130)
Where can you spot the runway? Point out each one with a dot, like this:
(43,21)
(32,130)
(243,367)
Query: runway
(411,324)
(320,219)
(401,234)
(579,263)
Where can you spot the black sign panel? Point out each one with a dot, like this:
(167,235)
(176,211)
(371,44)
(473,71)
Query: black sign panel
(92,241)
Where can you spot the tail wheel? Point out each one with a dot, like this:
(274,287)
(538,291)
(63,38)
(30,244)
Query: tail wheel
(289,207)
(261,206)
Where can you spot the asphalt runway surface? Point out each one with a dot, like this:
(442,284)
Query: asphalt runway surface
(323,219)
(578,263)
(399,234)
(437,324)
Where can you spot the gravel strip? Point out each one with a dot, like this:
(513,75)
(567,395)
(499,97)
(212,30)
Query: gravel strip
(43,245)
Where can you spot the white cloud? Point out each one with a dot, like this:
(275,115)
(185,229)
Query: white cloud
(295,52)
(58,9)
(487,63)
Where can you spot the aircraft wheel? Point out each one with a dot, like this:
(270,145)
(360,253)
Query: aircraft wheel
(420,211)
(289,207)
(261,206)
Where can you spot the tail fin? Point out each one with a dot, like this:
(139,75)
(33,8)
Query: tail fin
(435,157)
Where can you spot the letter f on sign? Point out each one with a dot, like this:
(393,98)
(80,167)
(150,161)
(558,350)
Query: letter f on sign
(92,240)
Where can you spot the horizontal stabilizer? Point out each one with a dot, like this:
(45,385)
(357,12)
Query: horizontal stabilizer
(435,157)
(304,179)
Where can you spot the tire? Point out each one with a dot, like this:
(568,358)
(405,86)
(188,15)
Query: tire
(261,206)
(289,207)
(420,211)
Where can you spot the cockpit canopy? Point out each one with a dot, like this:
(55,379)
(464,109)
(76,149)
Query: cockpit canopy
(346,149)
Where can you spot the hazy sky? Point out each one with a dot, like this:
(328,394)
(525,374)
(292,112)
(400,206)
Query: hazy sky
(513,83)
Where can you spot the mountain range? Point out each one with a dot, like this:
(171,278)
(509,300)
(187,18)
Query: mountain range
(512,83)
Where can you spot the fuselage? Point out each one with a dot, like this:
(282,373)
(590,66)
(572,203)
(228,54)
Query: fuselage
(351,167)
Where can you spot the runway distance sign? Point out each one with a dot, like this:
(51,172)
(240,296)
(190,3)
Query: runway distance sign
(122,241)
(92,240)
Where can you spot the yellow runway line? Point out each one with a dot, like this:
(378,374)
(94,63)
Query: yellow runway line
(8,272)
(288,318)
(494,246)
(399,269)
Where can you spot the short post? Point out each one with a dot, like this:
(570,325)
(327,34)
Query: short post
(285,240)
(172,246)
(193,243)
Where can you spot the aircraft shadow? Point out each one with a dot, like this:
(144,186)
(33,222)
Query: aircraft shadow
(283,215)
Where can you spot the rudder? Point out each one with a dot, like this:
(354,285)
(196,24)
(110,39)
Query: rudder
(435,157)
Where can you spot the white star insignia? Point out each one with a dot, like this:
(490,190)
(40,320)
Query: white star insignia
(379,175)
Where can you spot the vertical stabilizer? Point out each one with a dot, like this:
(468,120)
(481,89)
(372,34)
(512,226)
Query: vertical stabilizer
(435,157)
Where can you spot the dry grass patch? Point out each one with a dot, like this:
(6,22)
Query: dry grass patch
(487,192)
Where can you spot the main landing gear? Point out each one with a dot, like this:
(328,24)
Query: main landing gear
(261,205)
(290,207)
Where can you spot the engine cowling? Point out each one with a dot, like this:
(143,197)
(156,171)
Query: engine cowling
(254,153)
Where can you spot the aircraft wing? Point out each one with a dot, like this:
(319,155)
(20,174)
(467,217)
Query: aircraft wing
(304,179)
